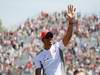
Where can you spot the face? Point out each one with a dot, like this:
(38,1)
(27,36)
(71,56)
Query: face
(47,42)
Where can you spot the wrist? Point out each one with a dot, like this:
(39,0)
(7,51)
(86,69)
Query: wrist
(71,22)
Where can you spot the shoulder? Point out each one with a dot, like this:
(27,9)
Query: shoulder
(40,52)
(60,45)
(39,55)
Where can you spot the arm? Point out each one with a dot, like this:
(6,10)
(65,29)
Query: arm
(69,32)
(38,71)
(37,65)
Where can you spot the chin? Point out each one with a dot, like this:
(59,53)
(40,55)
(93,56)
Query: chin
(49,46)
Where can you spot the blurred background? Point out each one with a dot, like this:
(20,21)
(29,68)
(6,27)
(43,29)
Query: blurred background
(14,12)
(21,22)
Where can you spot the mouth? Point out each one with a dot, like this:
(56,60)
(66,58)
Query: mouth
(50,43)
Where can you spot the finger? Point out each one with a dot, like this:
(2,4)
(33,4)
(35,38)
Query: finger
(68,8)
(71,9)
(74,9)
(68,17)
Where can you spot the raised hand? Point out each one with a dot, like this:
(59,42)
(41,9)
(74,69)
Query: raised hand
(70,12)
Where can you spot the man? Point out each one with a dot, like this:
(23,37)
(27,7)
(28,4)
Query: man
(49,60)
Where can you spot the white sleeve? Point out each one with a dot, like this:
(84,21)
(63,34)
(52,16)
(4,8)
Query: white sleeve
(37,62)
(60,45)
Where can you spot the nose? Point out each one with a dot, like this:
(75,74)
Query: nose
(51,41)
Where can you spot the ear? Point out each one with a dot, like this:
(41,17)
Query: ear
(43,40)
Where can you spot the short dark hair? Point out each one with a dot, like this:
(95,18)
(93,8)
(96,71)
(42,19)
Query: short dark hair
(49,35)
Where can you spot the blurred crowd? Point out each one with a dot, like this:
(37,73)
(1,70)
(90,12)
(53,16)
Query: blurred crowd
(18,48)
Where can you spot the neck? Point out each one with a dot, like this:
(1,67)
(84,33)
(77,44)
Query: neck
(46,47)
